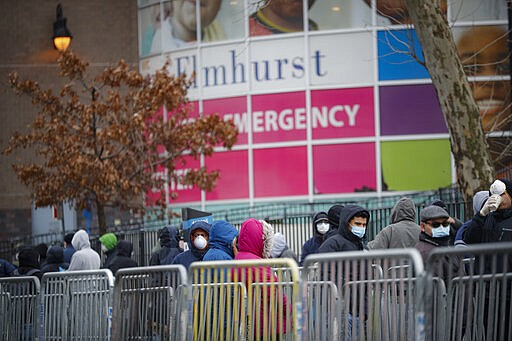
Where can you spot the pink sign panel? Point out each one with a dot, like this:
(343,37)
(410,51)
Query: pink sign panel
(185,193)
(342,113)
(191,107)
(233,181)
(279,117)
(280,172)
(234,109)
(344,168)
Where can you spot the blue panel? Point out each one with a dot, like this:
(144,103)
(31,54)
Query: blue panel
(395,59)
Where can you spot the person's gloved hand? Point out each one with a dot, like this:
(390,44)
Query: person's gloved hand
(491,205)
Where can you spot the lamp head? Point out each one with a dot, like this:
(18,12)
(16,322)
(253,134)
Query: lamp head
(61,35)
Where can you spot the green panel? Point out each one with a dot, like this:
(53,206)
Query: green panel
(416,165)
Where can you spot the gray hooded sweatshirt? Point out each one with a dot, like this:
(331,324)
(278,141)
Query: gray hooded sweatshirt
(84,257)
(403,231)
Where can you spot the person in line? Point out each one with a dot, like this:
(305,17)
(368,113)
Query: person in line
(6,268)
(42,249)
(199,235)
(479,200)
(255,243)
(493,224)
(351,233)
(280,16)
(108,247)
(403,232)
(28,259)
(54,260)
(320,228)
(223,238)
(84,257)
(123,259)
(68,248)
(435,232)
(169,238)
(455,223)
(280,248)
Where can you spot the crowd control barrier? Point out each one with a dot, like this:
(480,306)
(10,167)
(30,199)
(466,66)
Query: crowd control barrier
(374,295)
(381,295)
(76,305)
(479,288)
(245,300)
(19,308)
(150,303)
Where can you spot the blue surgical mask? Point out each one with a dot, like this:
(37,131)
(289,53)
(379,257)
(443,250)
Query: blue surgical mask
(358,231)
(441,231)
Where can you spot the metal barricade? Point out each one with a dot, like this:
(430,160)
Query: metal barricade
(246,300)
(379,295)
(19,308)
(76,305)
(150,303)
(479,291)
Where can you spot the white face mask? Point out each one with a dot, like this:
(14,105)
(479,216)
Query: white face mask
(322,227)
(200,242)
(104,248)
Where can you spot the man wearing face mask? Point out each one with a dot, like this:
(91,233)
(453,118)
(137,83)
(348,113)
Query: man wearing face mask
(199,235)
(351,231)
(435,230)
(320,228)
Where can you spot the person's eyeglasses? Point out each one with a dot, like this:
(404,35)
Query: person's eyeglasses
(436,224)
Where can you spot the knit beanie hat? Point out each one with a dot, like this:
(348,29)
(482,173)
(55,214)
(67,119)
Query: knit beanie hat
(109,240)
(479,199)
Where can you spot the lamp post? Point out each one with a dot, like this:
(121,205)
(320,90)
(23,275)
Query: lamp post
(61,35)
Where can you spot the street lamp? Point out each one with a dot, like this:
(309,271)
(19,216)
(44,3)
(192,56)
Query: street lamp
(61,35)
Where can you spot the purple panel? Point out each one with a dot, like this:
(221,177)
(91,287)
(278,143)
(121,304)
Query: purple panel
(410,109)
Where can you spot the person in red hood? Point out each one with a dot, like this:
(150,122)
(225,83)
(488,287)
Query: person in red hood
(255,242)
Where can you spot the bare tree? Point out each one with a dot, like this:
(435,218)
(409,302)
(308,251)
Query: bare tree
(101,139)
(468,141)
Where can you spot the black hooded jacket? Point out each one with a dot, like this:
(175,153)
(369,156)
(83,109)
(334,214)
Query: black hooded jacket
(123,257)
(344,240)
(54,260)
(169,246)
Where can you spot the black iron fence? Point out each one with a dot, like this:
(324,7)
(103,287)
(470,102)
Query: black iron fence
(293,220)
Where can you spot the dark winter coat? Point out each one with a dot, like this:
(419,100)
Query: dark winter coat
(123,258)
(169,246)
(54,260)
(445,267)
(6,268)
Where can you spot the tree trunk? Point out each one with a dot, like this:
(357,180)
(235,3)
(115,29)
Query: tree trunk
(102,222)
(468,143)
